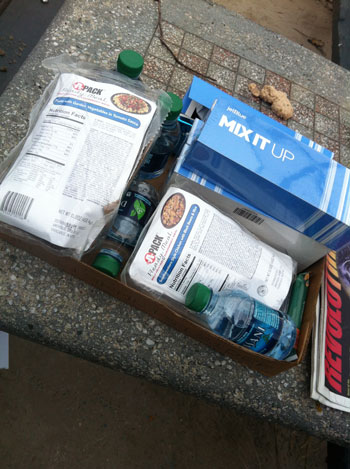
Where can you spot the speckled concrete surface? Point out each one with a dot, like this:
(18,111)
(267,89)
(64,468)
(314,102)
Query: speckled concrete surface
(260,46)
(42,304)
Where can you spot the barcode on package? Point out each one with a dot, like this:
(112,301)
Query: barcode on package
(17,205)
(248,215)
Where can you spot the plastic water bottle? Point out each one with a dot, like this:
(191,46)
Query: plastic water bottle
(136,208)
(130,63)
(247,322)
(166,144)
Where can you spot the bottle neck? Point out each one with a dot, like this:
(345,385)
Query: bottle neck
(138,78)
(169,124)
(210,306)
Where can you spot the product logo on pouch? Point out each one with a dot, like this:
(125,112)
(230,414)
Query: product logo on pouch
(79,86)
(150,256)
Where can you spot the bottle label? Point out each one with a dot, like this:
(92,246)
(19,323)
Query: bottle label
(263,332)
(136,207)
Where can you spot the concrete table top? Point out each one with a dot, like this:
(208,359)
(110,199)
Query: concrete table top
(42,304)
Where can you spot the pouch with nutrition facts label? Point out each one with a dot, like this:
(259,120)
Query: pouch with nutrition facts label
(190,241)
(79,154)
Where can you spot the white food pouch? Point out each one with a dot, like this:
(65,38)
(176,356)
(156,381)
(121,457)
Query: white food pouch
(190,241)
(79,155)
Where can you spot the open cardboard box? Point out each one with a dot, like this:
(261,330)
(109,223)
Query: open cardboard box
(83,271)
(164,313)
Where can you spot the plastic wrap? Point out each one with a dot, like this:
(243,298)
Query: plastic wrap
(87,133)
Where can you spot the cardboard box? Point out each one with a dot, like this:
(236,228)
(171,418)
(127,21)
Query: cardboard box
(245,153)
(300,247)
(83,271)
(262,364)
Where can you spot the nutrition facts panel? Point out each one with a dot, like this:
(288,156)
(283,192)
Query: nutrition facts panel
(55,139)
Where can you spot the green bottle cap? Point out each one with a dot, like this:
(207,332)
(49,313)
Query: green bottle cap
(108,262)
(198,297)
(176,107)
(130,63)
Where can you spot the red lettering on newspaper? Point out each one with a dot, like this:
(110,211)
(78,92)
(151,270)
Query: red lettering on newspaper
(333,352)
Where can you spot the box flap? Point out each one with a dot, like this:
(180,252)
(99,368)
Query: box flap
(204,94)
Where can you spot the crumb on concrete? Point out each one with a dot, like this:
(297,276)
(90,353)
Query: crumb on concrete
(253,88)
(279,101)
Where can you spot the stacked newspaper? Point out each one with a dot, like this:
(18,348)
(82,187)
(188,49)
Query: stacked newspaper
(330,377)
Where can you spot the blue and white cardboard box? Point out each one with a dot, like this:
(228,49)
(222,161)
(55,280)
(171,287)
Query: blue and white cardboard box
(201,96)
(252,157)
(303,249)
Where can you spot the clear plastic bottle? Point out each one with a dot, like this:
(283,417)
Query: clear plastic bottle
(136,208)
(114,251)
(137,205)
(130,63)
(166,144)
(247,322)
